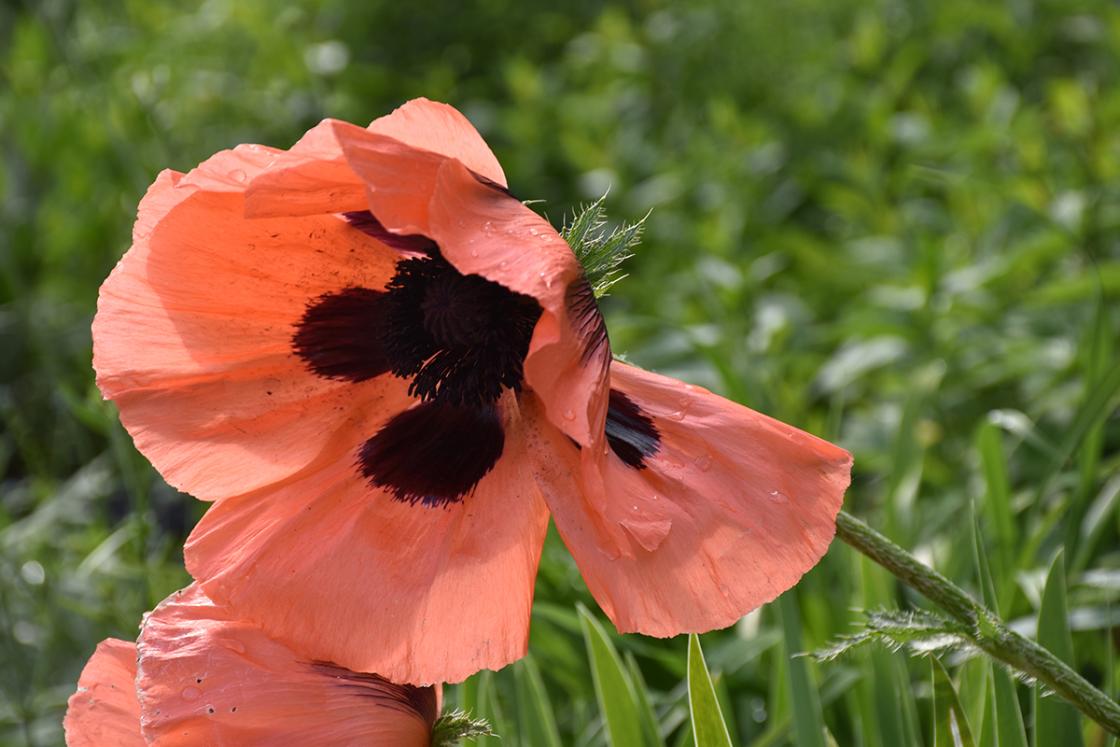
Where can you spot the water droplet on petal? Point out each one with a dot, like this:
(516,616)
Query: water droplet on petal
(474,252)
(569,414)
(777,496)
(191,693)
(236,646)
(238,175)
(703,462)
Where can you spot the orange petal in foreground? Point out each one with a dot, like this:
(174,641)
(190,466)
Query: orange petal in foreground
(104,710)
(207,680)
(381,365)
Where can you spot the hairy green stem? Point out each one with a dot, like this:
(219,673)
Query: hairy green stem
(986,629)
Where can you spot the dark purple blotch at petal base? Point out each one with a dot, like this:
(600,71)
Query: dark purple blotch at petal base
(434,453)
(631,433)
(587,320)
(419,701)
(340,335)
(487,181)
(367,223)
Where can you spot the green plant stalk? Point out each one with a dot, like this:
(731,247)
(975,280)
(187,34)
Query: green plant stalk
(985,628)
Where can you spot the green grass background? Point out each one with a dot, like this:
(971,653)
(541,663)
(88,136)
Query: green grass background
(891,223)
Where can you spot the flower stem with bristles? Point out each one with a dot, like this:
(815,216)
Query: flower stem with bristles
(982,626)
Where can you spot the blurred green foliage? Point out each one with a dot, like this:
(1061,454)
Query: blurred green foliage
(891,223)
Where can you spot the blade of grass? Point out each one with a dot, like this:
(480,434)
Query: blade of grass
(708,726)
(997,503)
(536,720)
(1055,721)
(650,727)
(808,722)
(477,699)
(1003,718)
(950,726)
(1093,411)
(613,689)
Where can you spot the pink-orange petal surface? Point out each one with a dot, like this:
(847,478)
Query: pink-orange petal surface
(732,509)
(193,335)
(430,125)
(347,573)
(104,711)
(312,178)
(207,678)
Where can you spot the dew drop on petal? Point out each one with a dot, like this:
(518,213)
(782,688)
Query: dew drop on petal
(704,462)
(238,175)
(569,414)
(191,693)
(236,646)
(777,496)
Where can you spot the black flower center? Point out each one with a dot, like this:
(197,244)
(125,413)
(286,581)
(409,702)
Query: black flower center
(460,339)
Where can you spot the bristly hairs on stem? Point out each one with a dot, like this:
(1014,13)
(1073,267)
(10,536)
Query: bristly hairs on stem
(452,728)
(601,250)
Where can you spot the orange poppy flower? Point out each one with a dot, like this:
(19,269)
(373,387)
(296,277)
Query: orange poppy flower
(207,679)
(388,372)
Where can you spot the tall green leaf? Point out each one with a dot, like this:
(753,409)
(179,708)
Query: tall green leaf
(1003,718)
(535,717)
(708,726)
(950,725)
(1055,721)
(618,702)
(650,726)
(808,722)
(997,501)
(1005,714)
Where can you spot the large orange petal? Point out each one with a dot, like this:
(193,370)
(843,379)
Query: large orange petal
(209,678)
(430,125)
(483,231)
(104,710)
(344,572)
(193,337)
(729,512)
